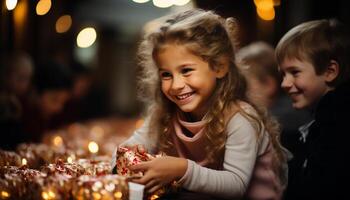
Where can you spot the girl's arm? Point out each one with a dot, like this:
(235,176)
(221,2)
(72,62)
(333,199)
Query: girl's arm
(241,152)
(142,136)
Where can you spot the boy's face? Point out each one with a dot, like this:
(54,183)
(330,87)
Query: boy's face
(302,84)
(186,79)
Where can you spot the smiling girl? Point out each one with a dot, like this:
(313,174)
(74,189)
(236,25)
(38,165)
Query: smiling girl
(216,141)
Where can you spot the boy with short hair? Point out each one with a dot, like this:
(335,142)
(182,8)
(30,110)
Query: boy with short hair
(314,58)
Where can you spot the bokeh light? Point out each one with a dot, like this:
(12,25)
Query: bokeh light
(266,14)
(86,37)
(162,3)
(63,23)
(93,147)
(11,4)
(140,1)
(43,7)
(181,2)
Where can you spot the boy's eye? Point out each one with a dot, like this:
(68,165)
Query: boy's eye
(295,72)
(282,73)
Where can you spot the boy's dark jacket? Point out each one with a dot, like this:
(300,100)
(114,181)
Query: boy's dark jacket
(320,168)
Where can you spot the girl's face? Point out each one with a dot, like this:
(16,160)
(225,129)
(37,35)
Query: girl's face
(302,84)
(186,79)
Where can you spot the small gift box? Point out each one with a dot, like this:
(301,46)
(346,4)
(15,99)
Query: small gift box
(9,158)
(60,167)
(127,157)
(96,166)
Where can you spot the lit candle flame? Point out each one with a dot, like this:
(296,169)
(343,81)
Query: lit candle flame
(24,161)
(118,195)
(4,195)
(70,159)
(93,147)
(96,195)
(48,195)
(154,197)
(52,194)
(57,141)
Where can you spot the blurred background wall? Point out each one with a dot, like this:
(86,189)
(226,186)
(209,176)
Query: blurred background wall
(103,35)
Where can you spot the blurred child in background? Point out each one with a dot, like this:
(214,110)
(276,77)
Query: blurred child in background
(52,84)
(258,64)
(15,86)
(78,106)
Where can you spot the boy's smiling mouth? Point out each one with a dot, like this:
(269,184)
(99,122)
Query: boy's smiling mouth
(292,94)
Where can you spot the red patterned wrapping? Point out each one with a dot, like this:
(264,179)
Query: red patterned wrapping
(96,167)
(127,157)
(60,167)
(21,182)
(9,158)
(38,155)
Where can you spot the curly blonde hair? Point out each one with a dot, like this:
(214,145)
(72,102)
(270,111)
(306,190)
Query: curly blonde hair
(211,37)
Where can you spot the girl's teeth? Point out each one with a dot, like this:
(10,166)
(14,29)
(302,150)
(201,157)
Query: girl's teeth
(184,96)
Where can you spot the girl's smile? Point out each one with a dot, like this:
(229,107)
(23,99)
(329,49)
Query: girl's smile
(185,98)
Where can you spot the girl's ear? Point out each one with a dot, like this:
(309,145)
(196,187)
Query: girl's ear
(332,71)
(222,70)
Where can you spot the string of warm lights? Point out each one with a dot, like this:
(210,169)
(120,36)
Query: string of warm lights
(165,3)
(42,7)
(87,36)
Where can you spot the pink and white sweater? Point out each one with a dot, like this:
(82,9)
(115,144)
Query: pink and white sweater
(244,171)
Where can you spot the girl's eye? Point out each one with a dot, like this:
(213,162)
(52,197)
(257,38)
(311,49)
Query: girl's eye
(186,71)
(165,75)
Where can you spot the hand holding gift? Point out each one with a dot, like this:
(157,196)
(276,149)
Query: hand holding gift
(153,171)
(160,172)
(129,156)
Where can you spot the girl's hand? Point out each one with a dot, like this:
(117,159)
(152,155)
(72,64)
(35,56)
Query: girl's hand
(137,148)
(160,171)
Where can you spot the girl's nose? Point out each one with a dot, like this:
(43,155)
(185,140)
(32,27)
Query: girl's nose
(178,83)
